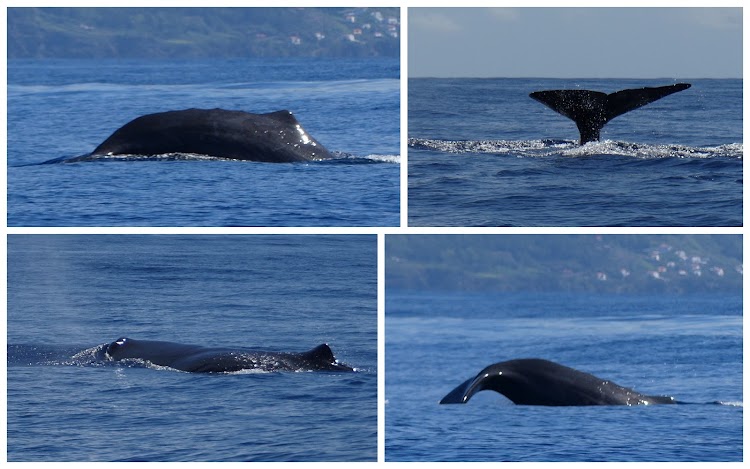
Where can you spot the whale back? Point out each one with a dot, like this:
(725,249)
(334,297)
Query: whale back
(157,352)
(194,358)
(271,137)
(542,382)
(320,358)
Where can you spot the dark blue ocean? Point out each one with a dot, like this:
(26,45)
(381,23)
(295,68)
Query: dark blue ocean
(68,293)
(688,346)
(483,153)
(65,108)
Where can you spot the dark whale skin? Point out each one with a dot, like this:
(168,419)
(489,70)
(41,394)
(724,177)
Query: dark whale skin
(198,359)
(275,137)
(591,110)
(533,381)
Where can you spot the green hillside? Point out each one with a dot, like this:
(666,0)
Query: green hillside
(585,263)
(159,33)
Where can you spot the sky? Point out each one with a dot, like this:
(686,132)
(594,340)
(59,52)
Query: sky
(576,42)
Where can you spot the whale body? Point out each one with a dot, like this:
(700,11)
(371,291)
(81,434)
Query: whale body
(275,137)
(591,110)
(194,358)
(534,381)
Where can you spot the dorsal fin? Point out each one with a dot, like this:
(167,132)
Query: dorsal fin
(591,110)
(321,354)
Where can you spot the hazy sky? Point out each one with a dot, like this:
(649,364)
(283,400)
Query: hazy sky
(576,42)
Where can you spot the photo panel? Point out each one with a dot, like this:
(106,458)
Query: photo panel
(575,117)
(192,348)
(275,117)
(551,347)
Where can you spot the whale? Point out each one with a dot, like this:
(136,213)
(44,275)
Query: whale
(591,110)
(199,359)
(534,381)
(275,137)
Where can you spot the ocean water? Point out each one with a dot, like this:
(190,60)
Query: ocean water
(483,153)
(65,108)
(688,347)
(68,293)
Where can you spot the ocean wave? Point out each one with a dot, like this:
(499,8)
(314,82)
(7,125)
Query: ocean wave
(394,159)
(348,158)
(546,148)
(339,158)
(731,403)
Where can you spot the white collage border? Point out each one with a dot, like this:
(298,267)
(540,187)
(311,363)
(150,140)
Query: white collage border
(381,232)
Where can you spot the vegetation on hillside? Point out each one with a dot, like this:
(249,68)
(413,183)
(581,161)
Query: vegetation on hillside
(585,263)
(202,32)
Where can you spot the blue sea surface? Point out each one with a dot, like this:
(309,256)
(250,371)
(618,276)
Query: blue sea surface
(685,346)
(483,153)
(69,293)
(65,108)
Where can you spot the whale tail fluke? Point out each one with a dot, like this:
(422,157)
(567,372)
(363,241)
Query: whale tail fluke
(591,110)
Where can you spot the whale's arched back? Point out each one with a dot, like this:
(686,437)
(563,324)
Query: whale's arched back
(275,137)
(533,381)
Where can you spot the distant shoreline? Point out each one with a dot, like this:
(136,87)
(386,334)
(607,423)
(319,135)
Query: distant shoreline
(195,33)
